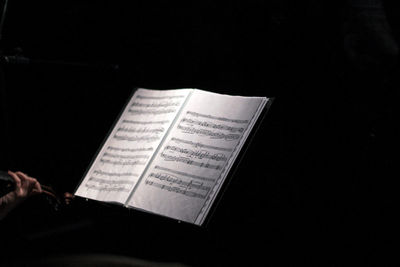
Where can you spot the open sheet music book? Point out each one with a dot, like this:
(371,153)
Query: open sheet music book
(170,151)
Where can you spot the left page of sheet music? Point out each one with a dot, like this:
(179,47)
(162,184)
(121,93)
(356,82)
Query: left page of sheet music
(131,144)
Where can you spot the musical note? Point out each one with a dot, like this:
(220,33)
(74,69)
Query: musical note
(136,138)
(125,156)
(198,144)
(190,162)
(160,97)
(106,181)
(141,130)
(99,172)
(123,163)
(201,178)
(200,154)
(176,189)
(195,114)
(105,188)
(156,105)
(152,112)
(145,122)
(211,134)
(141,149)
(173,180)
(212,125)
(132,142)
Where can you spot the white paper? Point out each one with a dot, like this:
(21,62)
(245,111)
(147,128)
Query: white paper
(193,161)
(131,144)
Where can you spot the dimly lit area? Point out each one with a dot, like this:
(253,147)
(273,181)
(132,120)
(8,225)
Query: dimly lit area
(317,182)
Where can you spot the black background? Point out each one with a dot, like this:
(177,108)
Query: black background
(318,185)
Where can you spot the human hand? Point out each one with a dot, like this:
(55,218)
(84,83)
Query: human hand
(25,187)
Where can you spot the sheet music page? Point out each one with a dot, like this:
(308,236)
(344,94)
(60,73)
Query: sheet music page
(186,174)
(131,144)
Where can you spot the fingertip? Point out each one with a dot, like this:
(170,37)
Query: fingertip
(15,177)
(21,174)
(36,191)
(38,187)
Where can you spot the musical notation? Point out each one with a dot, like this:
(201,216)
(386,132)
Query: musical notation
(105,188)
(141,130)
(180,173)
(137,138)
(130,146)
(200,154)
(176,189)
(213,125)
(151,111)
(190,162)
(108,185)
(198,144)
(211,134)
(171,151)
(195,114)
(141,149)
(112,182)
(145,122)
(106,154)
(122,162)
(174,180)
(160,97)
(156,105)
(99,172)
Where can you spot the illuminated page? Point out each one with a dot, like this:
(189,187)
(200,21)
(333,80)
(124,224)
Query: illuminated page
(193,161)
(131,144)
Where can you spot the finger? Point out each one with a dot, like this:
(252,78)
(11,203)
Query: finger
(35,183)
(35,192)
(68,198)
(68,195)
(16,178)
(28,182)
(38,187)
(48,188)
(32,184)
(23,177)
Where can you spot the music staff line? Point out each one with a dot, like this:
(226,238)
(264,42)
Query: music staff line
(109,189)
(145,122)
(200,154)
(123,163)
(141,130)
(152,112)
(142,149)
(190,162)
(185,174)
(99,172)
(213,125)
(111,182)
(196,114)
(176,189)
(146,138)
(125,156)
(160,97)
(211,134)
(156,105)
(173,180)
(198,144)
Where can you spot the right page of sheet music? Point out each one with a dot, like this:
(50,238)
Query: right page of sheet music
(196,156)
